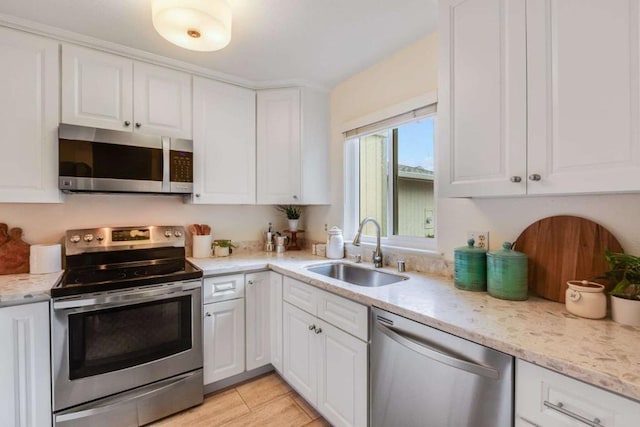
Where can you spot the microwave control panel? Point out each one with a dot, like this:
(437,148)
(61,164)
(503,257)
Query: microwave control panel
(181,169)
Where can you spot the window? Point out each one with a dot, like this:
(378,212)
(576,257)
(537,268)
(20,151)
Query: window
(390,177)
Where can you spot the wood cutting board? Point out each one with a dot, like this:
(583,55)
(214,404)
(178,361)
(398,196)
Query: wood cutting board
(562,248)
(14,253)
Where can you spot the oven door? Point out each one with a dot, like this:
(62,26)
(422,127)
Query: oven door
(112,342)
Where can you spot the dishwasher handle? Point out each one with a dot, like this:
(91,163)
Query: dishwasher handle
(426,349)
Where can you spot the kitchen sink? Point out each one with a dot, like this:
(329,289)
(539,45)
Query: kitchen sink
(356,275)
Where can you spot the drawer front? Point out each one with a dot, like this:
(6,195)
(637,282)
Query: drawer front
(345,314)
(546,398)
(223,288)
(303,296)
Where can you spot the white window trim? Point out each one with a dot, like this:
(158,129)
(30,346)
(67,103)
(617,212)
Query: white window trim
(351,179)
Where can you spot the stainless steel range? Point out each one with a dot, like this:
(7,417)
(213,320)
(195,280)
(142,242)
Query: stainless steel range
(126,335)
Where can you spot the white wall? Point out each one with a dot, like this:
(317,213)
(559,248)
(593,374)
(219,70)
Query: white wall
(411,72)
(46,223)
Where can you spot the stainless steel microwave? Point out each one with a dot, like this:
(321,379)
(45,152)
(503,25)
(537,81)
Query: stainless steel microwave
(100,160)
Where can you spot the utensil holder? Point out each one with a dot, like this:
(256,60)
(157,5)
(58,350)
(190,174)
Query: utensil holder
(202,246)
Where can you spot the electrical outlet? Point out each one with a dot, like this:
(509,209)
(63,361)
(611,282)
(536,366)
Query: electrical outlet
(481,238)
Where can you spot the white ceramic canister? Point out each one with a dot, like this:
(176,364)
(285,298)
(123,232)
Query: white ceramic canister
(586,299)
(335,243)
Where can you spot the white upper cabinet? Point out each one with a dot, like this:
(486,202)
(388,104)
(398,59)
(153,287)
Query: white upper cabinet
(292,146)
(224,143)
(534,101)
(482,98)
(97,89)
(583,89)
(161,101)
(29,116)
(112,92)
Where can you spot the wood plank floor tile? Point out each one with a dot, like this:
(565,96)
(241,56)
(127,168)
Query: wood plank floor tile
(320,422)
(263,390)
(281,412)
(215,411)
(308,409)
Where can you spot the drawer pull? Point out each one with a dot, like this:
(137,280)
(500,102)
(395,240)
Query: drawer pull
(560,408)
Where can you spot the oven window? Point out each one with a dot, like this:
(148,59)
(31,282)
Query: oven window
(117,338)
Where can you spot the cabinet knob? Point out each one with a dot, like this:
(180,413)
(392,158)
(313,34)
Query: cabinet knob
(138,124)
(516,179)
(312,327)
(319,331)
(535,177)
(250,282)
(208,314)
(127,123)
(295,197)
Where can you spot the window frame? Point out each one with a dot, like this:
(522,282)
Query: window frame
(352,173)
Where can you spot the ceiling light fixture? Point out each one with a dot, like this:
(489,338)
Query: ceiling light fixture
(202,25)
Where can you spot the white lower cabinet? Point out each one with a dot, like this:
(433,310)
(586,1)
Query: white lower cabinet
(25,389)
(223,340)
(275,305)
(325,364)
(258,337)
(546,398)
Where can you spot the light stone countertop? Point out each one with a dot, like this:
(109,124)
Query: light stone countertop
(26,288)
(599,352)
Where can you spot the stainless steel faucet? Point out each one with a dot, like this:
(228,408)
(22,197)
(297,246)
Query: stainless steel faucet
(377,254)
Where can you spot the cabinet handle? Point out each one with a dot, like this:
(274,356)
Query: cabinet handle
(295,197)
(319,331)
(127,123)
(560,408)
(208,314)
(516,179)
(535,177)
(198,195)
(312,327)
(138,124)
(250,282)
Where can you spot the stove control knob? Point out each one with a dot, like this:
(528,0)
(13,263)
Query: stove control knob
(167,234)
(177,233)
(88,238)
(75,238)
(99,237)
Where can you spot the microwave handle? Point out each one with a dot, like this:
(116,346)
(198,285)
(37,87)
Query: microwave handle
(166,164)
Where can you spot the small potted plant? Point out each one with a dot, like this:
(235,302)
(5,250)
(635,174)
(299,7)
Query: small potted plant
(293,213)
(624,273)
(222,247)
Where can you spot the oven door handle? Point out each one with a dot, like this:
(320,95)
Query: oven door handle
(126,297)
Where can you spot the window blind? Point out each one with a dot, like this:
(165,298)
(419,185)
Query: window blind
(391,121)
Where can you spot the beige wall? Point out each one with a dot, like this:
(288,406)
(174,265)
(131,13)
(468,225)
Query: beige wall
(411,72)
(44,223)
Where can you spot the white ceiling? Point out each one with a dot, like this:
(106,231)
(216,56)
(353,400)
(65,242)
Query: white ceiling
(320,41)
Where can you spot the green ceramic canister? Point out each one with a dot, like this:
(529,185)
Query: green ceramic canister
(507,274)
(470,266)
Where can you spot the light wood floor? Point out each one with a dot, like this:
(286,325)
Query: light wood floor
(265,401)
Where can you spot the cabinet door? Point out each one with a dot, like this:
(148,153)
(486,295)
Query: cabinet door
(223,340)
(584,95)
(275,307)
(300,354)
(29,118)
(97,89)
(161,101)
(25,390)
(278,146)
(482,127)
(224,143)
(342,377)
(257,299)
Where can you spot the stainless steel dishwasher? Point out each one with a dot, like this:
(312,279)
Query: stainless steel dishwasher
(423,377)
